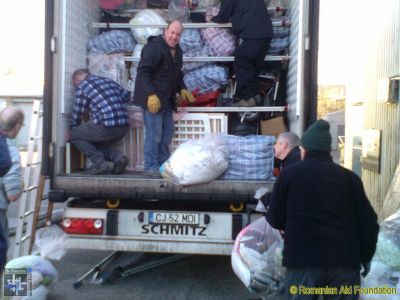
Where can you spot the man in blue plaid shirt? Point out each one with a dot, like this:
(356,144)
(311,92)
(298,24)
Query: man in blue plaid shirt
(108,121)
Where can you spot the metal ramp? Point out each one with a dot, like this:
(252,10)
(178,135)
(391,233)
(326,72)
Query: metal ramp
(127,264)
(33,187)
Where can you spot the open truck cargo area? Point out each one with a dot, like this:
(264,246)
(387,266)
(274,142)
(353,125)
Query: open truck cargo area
(132,212)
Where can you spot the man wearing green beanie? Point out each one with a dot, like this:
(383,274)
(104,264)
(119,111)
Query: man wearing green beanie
(330,227)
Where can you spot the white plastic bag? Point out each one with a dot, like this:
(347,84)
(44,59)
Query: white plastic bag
(51,242)
(110,66)
(146,16)
(385,265)
(196,161)
(37,264)
(257,258)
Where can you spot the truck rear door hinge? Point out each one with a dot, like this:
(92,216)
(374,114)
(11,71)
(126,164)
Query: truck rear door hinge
(53,44)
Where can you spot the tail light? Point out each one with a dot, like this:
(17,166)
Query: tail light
(83,225)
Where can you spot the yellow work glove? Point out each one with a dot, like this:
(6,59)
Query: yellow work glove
(185,94)
(153,104)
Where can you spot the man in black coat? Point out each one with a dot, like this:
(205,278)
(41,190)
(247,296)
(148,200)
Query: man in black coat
(286,149)
(252,26)
(159,79)
(330,227)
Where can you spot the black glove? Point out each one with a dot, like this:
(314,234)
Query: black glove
(366,269)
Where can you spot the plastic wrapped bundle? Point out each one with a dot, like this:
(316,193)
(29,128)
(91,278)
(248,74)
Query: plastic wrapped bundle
(257,258)
(110,66)
(112,42)
(196,161)
(37,264)
(146,16)
(385,265)
(178,12)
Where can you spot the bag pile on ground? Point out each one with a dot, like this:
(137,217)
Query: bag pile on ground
(51,244)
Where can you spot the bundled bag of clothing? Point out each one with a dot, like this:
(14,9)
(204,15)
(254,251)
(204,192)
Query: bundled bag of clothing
(193,65)
(110,66)
(278,45)
(281,31)
(250,157)
(191,40)
(146,16)
(385,265)
(220,40)
(206,79)
(196,161)
(111,42)
(111,4)
(257,258)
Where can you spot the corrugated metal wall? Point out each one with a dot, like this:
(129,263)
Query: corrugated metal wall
(73,30)
(291,94)
(383,56)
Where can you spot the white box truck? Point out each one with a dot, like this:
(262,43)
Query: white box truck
(131,212)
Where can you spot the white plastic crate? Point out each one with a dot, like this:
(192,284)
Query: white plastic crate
(191,126)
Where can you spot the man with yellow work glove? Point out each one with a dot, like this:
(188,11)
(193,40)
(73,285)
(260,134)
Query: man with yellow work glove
(153,104)
(159,79)
(186,95)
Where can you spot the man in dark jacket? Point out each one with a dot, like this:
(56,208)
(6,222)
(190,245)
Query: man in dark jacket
(330,227)
(252,26)
(159,79)
(286,149)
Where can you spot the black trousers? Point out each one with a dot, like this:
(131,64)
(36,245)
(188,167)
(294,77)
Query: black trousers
(249,56)
(336,283)
(95,141)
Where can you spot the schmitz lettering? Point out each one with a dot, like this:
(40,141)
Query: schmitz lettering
(172,229)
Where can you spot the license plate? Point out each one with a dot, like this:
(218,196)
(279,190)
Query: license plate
(156,217)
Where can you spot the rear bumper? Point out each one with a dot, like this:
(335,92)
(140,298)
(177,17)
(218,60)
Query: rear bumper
(134,231)
(134,187)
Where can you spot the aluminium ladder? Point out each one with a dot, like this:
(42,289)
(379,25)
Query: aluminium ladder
(33,184)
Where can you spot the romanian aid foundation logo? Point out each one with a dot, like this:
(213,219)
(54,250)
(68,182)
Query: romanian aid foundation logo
(17,282)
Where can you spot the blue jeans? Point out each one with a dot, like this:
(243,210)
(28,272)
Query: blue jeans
(158,134)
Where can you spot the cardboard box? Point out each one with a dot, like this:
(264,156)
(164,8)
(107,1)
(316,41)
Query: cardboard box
(273,126)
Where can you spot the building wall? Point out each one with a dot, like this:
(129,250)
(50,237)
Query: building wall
(381,51)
